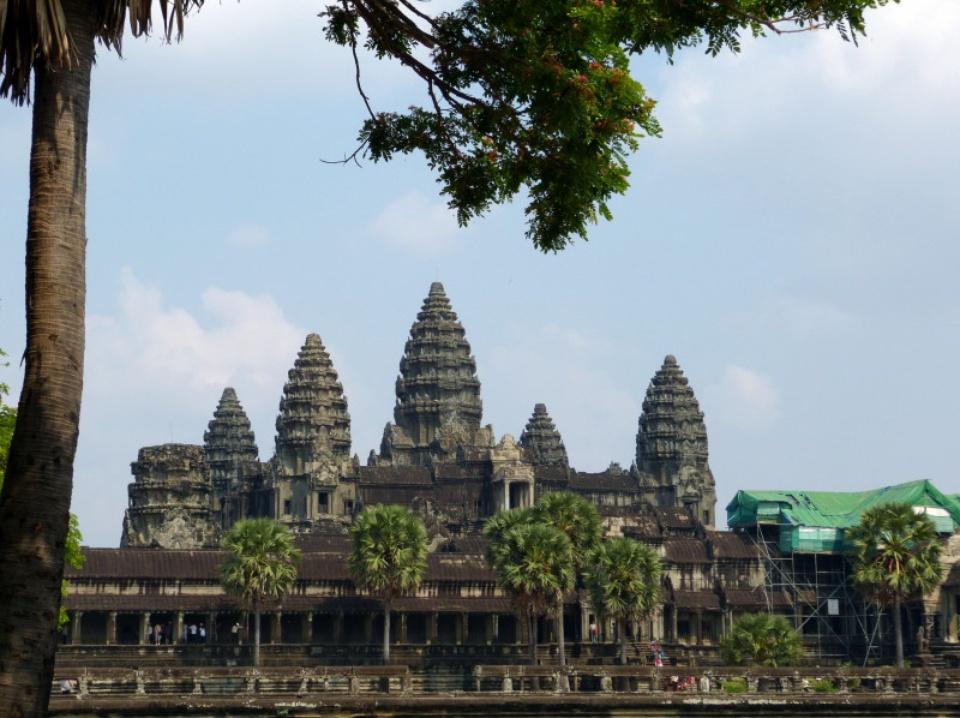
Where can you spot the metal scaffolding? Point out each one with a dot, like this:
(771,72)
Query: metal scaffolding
(837,625)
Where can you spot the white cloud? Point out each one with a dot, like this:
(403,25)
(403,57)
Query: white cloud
(910,51)
(239,340)
(744,398)
(250,235)
(416,223)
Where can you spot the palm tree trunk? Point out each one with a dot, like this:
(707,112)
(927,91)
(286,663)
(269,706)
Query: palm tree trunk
(564,680)
(532,636)
(561,644)
(35,504)
(386,633)
(621,627)
(898,629)
(256,634)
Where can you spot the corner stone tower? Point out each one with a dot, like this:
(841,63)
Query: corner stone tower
(672,446)
(169,500)
(438,393)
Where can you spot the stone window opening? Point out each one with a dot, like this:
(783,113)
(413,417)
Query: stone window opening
(286,507)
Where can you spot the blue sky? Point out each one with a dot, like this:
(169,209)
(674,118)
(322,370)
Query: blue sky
(792,239)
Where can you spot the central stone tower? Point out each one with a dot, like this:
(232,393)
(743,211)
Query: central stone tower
(438,393)
(672,446)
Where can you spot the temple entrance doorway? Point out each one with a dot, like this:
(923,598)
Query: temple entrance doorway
(476,628)
(291,628)
(128,629)
(447,629)
(323,628)
(507,629)
(416,628)
(93,627)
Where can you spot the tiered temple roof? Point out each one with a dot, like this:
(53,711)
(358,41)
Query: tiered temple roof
(313,420)
(542,440)
(229,442)
(438,392)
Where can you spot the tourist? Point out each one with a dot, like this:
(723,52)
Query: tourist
(235,631)
(203,634)
(158,634)
(594,632)
(193,633)
(704,683)
(66,686)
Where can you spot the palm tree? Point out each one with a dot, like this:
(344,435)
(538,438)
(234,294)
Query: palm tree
(763,639)
(261,567)
(534,564)
(895,556)
(389,556)
(624,583)
(53,42)
(579,521)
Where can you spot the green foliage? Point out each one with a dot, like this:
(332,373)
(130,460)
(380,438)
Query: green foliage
(389,556)
(537,96)
(624,579)
(735,686)
(575,517)
(389,551)
(533,561)
(762,639)
(262,566)
(823,686)
(896,553)
(262,562)
(895,557)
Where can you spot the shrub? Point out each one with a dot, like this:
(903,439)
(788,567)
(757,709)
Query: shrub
(821,686)
(735,685)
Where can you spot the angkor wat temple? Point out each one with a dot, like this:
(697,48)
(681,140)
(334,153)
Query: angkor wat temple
(438,458)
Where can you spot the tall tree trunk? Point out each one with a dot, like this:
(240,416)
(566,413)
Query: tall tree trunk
(561,644)
(621,628)
(386,633)
(898,629)
(35,504)
(564,680)
(256,635)
(532,636)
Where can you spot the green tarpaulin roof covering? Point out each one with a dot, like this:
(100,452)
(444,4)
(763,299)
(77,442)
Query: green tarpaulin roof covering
(828,509)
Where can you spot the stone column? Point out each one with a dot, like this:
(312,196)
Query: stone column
(699,631)
(111,628)
(673,623)
(338,627)
(307,630)
(75,632)
(403,627)
(213,635)
(178,628)
(492,625)
(145,628)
